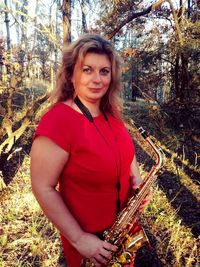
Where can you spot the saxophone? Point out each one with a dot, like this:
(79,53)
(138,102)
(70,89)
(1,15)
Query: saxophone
(121,234)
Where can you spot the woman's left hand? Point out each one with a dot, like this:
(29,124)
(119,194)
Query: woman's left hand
(136,190)
(145,202)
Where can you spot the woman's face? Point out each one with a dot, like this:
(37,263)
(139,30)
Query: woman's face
(91,77)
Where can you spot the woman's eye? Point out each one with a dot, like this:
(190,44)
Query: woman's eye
(87,70)
(104,71)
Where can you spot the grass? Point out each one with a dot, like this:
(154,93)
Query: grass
(175,244)
(28,239)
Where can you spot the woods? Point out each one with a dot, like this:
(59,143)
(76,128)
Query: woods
(159,42)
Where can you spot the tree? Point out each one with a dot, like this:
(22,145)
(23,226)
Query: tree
(83,15)
(7,22)
(66,12)
(125,12)
(8,40)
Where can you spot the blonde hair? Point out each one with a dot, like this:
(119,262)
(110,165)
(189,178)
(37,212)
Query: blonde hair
(89,43)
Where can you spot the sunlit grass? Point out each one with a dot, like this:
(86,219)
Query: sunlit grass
(27,238)
(172,236)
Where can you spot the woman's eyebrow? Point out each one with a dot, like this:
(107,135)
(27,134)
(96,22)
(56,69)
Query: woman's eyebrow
(87,65)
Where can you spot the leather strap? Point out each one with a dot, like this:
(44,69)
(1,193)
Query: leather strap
(83,108)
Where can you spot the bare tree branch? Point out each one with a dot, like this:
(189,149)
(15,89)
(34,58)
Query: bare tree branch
(128,19)
(153,7)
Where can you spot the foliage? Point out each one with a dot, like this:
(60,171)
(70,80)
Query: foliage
(163,52)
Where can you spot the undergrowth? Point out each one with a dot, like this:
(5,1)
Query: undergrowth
(27,238)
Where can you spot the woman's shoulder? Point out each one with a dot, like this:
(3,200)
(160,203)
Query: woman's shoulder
(116,119)
(57,116)
(58,110)
(56,125)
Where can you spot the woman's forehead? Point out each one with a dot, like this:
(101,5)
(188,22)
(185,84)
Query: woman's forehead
(94,59)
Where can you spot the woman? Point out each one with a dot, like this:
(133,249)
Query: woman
(82,144)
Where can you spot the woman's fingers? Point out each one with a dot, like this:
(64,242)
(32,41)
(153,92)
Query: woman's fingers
(104,255)
(100,259)
(93,248)
(109,246)
(146,201)
(95,262)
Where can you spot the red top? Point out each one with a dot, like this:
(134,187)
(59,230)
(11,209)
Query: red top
(100,152)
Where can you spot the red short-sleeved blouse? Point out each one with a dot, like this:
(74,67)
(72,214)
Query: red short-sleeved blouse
(99,153)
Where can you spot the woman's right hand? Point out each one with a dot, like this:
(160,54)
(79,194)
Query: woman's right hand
(95,249)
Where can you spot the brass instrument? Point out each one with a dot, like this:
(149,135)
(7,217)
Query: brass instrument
(120,233)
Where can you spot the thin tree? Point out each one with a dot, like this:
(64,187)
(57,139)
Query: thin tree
(66,13)
(83,15)
(7,22)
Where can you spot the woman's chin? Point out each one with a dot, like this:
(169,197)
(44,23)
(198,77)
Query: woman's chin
(96,95)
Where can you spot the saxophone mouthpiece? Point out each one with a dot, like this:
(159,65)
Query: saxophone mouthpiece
(143,132)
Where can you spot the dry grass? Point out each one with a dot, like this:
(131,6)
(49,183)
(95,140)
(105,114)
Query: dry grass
(27,238)
(175,243)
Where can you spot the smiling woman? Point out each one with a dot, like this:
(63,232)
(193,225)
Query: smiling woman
(82,144)
(91,78)
(93,49)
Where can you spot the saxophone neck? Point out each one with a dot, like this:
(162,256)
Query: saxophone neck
(157,150)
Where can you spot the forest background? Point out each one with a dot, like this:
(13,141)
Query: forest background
(159,43)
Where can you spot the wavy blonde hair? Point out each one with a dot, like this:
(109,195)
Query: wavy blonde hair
(89,43)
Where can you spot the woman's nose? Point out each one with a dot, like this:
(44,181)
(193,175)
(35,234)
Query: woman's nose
(96,77)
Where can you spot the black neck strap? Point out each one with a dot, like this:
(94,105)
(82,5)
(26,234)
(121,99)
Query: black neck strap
(85,110)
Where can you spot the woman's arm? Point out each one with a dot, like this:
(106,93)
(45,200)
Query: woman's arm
(136,179)
(47,162)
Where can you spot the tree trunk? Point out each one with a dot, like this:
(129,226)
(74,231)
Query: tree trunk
(176,77)
(17,25)
(84,24)
(184,78)
(66,11)
(189,6)
(35,26)
(8,42)
(23,50)
(57,37)
(133,81)
(7,21)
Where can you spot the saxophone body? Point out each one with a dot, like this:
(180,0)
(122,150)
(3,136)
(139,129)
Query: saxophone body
(130,242)
(125,232)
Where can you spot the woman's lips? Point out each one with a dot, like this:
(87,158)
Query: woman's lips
(95,89)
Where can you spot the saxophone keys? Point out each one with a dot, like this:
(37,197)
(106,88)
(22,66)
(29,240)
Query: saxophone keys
(136,241)
(125,257)
(87,263)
